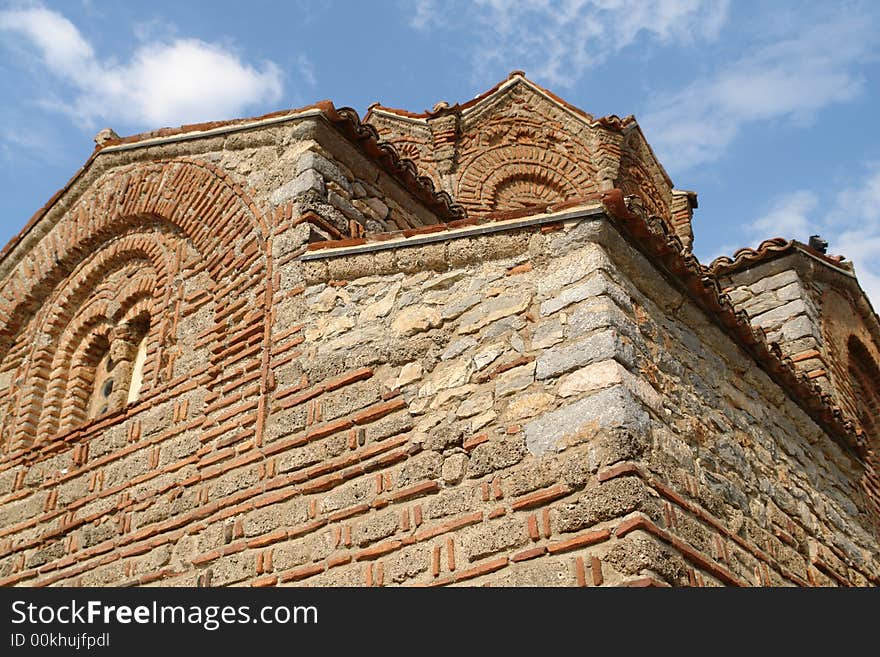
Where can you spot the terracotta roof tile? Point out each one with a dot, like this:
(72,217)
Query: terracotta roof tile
(768,250)
(347,121)
(747,256)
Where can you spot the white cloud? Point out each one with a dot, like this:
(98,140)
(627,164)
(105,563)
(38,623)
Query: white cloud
(860,203)
(788,217)
(557,41)
(853,229)
(791,78)
(850,222)
(164,83)
(63,47)
(307,70)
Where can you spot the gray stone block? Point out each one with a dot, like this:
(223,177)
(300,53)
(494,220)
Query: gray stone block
(592,287)
(313,161)
(594,348)
(345,207)
(777,316)
(614,407)
(304,182)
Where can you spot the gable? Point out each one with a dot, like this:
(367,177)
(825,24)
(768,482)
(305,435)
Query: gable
(518,145)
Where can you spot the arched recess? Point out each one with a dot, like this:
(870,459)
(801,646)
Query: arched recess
(864,376)
(73,369)
(136,263)
(521,184)
(850,349)
(512,176)
(852,358)
(634,179)
(175,214)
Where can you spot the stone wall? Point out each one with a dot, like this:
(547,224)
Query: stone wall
(535,406)
(781,501)
(813,310)
(778,299)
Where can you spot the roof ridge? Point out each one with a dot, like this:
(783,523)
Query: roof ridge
(746,255)
(610,121)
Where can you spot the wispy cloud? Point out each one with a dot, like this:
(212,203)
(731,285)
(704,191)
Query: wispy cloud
(790,77)
(557,41)
(307,70)
(849,220)
(789,215)
(853,228)
(164,82)
(17,145)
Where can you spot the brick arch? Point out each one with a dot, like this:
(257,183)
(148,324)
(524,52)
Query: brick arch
(45,368)
(842,327)
(71,381)
(139,303)
(65,405)
(199,199)
(864,376)
(158,246)
(519,190)
(852,360)
(165,212)
(552,176)
(635,179)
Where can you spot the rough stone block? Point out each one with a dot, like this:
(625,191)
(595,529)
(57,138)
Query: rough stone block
(311,161)
(416,319)
(495,455)
(375,527)
(613,407)
(638,553)
(513,380)
(599,502)
(483,541)
(571,268)
(778,316)
(594,286)
(593,348)
(491,310)
(605,374)
(308,180)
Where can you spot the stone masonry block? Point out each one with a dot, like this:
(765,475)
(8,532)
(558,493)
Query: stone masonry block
(615,407)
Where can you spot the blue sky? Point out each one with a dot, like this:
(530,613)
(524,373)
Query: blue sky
(767,109)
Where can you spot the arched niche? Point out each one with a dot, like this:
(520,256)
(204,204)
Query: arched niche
(168,216)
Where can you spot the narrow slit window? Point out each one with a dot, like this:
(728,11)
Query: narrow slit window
(137,371)
(103,386)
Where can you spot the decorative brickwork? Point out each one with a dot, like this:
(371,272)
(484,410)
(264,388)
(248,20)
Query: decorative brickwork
(116,259)
(519,145)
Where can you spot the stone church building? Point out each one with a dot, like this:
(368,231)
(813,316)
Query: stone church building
(469,346)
